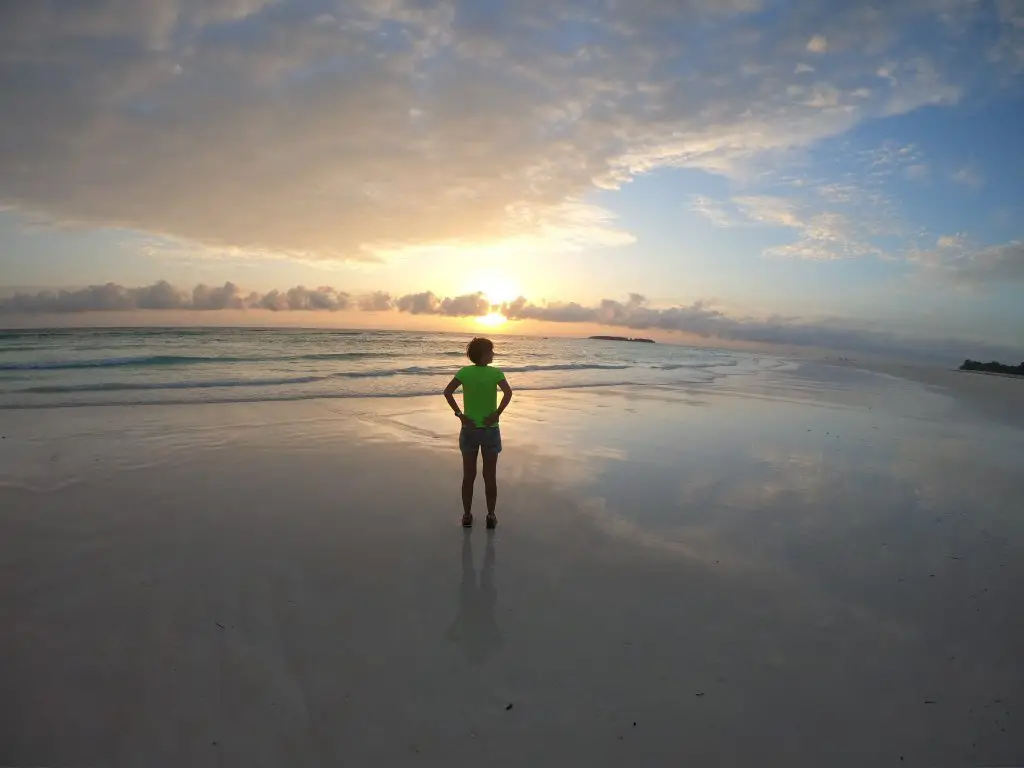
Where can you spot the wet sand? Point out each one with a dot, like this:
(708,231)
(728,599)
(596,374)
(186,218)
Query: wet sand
(819,566)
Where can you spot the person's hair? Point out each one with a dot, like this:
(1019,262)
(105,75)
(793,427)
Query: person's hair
(478,349)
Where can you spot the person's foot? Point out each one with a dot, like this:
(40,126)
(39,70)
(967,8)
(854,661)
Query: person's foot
(467,520)
(492,521)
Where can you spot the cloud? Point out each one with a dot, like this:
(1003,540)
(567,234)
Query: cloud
(817,44)
(850,214)
(995,264)
(969,176)
(699,319)
(917,172)
(228,296)
(98,298)
(111,297)
(1008,49)
(769,210)
(957,259)
(324,298)
(419,304)
(714,211)
(958,240)
(348,129)
(378,301)
(821,235)
(470,305)
(427,303)
(891,157)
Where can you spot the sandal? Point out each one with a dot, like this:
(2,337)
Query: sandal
(492,522)
(467,520)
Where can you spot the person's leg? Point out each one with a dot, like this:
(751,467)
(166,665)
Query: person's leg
(468,478)
(491,480)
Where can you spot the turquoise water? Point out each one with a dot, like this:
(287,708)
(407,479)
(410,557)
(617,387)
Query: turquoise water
(77,367)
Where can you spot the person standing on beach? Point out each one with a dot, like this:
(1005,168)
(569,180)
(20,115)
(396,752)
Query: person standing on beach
(480,433)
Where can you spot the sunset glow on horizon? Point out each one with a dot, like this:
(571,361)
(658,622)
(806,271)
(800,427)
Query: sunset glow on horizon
(492,320)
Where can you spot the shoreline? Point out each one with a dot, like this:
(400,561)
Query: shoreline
(993,373)
(989,395)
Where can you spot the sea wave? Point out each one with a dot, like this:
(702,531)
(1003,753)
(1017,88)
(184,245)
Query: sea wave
(46,333)
(440,371)
(172,360)
(568,367)
(272,397)
(116,386)
(681,366)
(127,386)
(367,355)
(113,362)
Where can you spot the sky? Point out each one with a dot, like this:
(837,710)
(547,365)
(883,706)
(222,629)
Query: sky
(844,175)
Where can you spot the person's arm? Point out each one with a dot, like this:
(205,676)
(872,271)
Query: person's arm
(506,398)
(449,395)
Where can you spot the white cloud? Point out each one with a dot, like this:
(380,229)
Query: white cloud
(822,235)
(958,240)
(996,264)
(817,44)
(955,258)
(969,176)
(917,172)
(891,156)
(348,130)
(769,210)
(846,214)
(1008,48)
(838,192)
(714,211)
(918,83)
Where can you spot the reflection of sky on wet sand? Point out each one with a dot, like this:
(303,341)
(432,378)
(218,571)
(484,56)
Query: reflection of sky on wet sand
(817,561)
(793,471)
(847,495)
(887,519)
(758,468)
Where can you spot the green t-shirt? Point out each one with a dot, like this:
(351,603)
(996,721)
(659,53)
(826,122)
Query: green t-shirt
(479,391)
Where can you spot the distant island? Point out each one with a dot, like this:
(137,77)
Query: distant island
(993,367)
(622,338)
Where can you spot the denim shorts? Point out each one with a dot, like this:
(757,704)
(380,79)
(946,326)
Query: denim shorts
(487,439)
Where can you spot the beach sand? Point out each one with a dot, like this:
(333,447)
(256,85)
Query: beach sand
(817,566)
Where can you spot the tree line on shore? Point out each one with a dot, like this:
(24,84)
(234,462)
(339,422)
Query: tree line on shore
(992,367)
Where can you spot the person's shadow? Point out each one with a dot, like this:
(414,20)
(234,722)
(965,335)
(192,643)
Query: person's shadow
(475,628)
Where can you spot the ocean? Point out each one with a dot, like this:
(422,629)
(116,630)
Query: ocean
(120,366)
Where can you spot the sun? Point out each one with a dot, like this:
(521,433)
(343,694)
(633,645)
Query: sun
(492,320)
(497,287)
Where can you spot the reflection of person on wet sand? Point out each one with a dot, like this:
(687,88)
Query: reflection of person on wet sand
(475,628)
